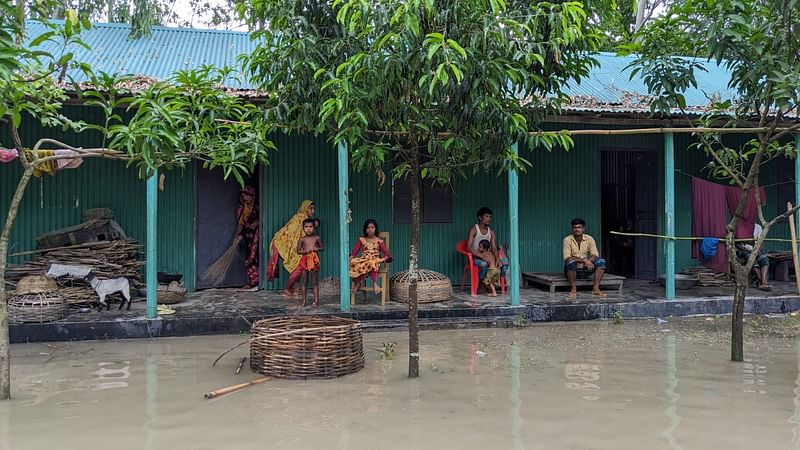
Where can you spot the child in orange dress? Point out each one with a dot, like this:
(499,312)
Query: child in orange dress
(371,247)
(307,247)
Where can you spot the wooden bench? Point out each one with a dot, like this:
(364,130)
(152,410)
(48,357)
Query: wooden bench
(556,279)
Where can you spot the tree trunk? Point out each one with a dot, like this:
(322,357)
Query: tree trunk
(641,6)
(413,301)
(737,318)
(5,349)
(110,11)
(21,20)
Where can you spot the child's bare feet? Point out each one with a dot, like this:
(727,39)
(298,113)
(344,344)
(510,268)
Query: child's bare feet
(573,294)
(492,291)
(376,288)
(287,294)
(315,304)
(599,293)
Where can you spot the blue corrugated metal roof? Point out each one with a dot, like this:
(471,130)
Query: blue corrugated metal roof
(610,82)
(168,50)
(159,55)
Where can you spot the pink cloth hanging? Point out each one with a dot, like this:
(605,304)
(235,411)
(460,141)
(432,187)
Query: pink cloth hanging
(709,218)
(747,223)
(8,154)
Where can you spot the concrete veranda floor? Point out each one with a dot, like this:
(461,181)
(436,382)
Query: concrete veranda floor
(223,311)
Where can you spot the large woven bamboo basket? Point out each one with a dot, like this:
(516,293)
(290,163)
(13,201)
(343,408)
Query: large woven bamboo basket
(37,308)
(306,347)
(432,287)
(36,284)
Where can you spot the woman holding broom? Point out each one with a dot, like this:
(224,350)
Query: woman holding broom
(284,245)
(247,228)
(247,221)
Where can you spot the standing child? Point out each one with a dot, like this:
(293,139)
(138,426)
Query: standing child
(368,264)
(492,276)
(307,247)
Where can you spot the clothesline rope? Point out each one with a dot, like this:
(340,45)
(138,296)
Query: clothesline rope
(693,238)
(763,185)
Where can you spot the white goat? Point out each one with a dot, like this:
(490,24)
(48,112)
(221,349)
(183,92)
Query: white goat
(110,286)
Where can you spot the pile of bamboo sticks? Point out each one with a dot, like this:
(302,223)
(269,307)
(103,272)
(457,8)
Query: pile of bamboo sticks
(108,259)
(708,277)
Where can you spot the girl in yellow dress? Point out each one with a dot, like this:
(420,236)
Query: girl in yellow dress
(371,247)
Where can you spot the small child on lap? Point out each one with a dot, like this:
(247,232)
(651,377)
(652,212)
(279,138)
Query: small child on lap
(492,277)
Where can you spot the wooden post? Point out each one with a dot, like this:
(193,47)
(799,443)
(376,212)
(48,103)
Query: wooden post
(151,250)
(344,240)
(793,232)
(513,222)
(669,214)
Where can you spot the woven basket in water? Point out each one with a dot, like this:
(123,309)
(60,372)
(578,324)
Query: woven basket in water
(432,287)
(36,284)
(37,308)
(306,347)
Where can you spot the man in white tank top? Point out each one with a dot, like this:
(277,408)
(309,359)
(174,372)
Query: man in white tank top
(482,231)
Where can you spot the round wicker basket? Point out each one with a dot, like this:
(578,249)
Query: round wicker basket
(36,284)
(169,297)
(329,287)
(432,287)
(37,308)
(306,347)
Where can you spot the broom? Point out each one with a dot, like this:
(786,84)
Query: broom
(217,271)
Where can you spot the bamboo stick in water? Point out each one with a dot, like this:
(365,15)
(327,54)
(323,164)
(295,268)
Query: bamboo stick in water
(794,246)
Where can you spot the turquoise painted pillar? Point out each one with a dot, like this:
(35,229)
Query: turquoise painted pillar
(344,241)
(513,222)
(151,250)
(669,210)
(797,177)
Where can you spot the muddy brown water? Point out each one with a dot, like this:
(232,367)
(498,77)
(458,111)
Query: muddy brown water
(640,385)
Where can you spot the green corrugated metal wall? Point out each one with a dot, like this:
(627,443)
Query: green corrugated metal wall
(559,186)
(53,202)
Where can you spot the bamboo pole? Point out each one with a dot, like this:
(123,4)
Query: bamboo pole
(690,238)
(794,246)
(236,388)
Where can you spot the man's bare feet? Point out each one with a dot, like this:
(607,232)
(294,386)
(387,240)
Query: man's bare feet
(288,294)
(376,288)
(315,304)
(573,294)
(492,291)
(599,293)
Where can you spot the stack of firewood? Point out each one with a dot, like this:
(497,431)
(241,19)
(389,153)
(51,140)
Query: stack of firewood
(708,277)
(108,259)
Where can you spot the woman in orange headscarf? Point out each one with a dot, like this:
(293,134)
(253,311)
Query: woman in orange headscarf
(284,245)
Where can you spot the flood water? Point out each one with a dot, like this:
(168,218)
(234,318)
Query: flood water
(639,385)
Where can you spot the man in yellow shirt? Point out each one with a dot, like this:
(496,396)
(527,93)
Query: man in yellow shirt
(580,254)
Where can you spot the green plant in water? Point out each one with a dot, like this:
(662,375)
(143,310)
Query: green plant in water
(617,317)
(387,352)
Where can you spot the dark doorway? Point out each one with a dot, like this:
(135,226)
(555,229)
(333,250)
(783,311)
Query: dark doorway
(629,186)
(217,201)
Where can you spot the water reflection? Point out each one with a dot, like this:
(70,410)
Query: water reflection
(516,402)
(795,418)
(754,375)
(672,396)
(583,377)
(151,397)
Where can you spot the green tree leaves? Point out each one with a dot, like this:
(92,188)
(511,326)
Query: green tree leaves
(466,78)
